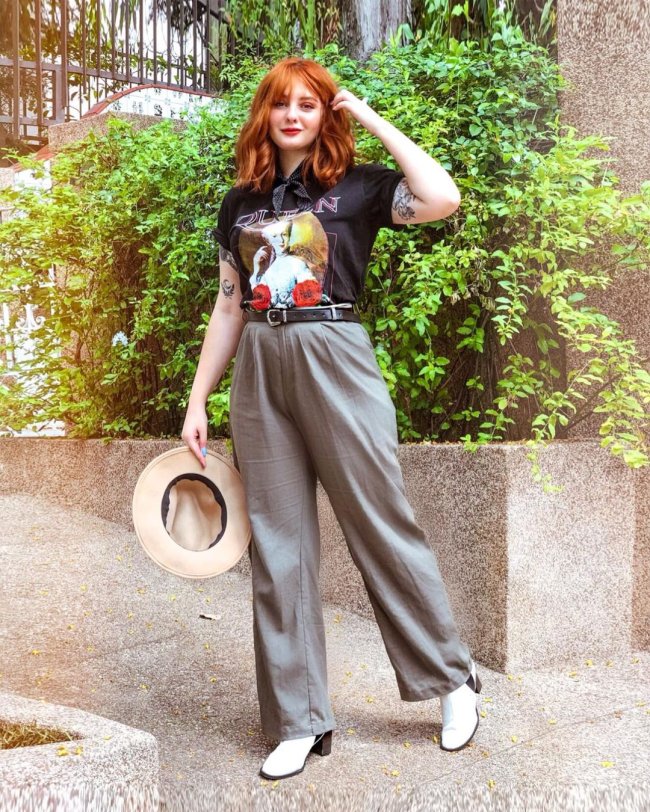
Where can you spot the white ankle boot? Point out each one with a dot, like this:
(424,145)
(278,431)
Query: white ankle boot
(290,755)
(460,714)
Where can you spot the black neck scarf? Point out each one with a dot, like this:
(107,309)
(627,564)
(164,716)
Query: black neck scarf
(293,182)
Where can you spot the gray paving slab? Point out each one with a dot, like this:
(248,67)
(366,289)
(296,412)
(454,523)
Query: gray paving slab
(88,620)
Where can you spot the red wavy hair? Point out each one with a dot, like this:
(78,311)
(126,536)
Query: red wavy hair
(333,151)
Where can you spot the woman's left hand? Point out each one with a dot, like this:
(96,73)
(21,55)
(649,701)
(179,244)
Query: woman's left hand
(359,109)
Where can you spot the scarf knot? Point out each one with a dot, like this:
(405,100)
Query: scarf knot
(294,183)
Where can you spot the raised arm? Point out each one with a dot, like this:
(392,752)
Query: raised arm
(427,192)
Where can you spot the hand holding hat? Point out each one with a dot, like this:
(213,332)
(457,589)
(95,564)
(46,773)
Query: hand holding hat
(191,517)
(195,432)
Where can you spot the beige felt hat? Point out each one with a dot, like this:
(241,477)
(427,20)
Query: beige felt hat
(191,521)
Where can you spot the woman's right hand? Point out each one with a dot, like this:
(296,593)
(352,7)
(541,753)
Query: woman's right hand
(195,431)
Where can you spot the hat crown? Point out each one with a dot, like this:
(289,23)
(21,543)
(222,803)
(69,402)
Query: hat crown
(194,519)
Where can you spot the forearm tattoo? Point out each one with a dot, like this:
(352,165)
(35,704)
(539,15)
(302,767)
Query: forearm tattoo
(228,288)
(226,256)
(401,199)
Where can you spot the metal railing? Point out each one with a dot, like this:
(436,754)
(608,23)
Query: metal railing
(58,59)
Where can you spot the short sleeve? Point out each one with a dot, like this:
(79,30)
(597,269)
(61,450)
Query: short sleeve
(379,184)
(224,221)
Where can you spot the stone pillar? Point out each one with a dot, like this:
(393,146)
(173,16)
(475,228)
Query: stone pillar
(604,51)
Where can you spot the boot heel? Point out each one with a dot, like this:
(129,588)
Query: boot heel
(324,745)
(479,684)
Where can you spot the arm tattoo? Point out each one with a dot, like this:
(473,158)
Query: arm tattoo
(228,288)
(226,256)
(401,199)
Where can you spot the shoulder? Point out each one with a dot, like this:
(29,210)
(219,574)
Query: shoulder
(378,179)
(376,176)
(360,171)
(371,169)
(228,198)
(232,201)
(379,184)
(370,176)
(235,192)
(241,195)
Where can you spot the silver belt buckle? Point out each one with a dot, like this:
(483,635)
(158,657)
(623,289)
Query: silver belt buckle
(281,313)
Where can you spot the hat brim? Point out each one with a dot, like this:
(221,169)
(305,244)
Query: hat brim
(148,520)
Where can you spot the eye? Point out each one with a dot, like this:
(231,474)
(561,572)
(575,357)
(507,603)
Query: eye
(307,105)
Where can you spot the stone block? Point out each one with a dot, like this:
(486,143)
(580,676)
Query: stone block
(95,764)
(69,131)
(535,578)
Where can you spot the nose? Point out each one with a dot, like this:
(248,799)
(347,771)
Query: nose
(292,112)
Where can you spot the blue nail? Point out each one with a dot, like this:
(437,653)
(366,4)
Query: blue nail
(204,451)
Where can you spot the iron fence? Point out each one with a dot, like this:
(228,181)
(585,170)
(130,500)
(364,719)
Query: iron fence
(59,58)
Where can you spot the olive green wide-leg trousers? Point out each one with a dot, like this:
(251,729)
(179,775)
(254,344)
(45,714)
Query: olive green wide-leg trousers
(308,400)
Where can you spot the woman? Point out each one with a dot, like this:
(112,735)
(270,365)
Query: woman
(308,400)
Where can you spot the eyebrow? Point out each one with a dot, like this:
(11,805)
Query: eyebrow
(310,98)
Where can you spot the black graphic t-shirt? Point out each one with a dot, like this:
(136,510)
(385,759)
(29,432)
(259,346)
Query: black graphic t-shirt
(313,257)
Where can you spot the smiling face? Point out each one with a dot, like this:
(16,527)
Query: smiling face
(300,112)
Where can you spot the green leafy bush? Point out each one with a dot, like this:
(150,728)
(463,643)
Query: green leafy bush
(473,317)
(127,223)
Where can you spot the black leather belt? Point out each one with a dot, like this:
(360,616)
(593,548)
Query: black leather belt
(278,315)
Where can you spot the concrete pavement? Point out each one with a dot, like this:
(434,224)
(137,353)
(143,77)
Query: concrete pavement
(88,620)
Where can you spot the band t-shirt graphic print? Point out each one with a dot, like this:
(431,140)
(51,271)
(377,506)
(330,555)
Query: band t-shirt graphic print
(288,258)
(307,256)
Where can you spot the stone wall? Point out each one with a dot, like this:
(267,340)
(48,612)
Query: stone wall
(534,578)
